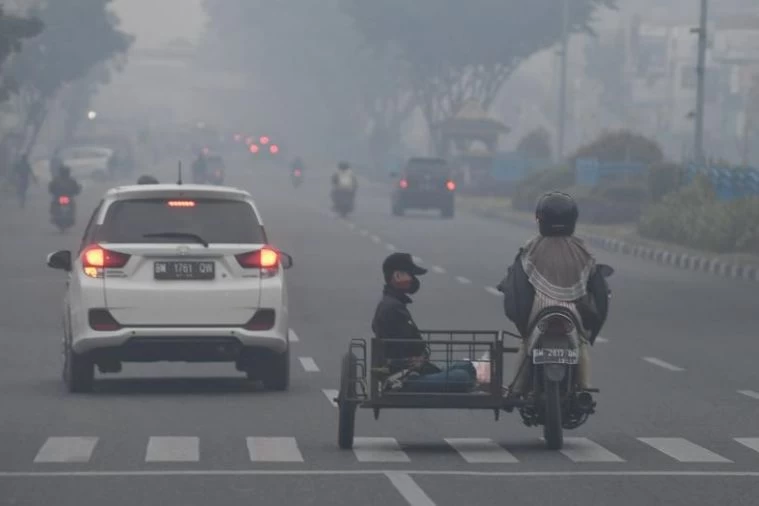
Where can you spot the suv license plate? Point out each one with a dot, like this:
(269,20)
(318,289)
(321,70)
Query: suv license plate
(555,356)
(174,271)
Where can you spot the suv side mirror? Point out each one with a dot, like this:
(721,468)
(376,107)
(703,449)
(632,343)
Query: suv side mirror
(286,261)
(60,260)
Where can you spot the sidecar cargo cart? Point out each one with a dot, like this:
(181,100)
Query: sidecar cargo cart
(389,384)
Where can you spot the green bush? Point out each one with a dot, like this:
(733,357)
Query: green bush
(536,144)
(663,179)
(694,217)
(621,146)
(527,191)
(622,193)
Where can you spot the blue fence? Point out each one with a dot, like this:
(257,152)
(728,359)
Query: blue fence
(511,167)
(589,171)
(729,184)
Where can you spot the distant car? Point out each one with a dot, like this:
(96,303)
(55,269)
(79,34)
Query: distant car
(264,148)
(180,273)
(87,161)
(424,183)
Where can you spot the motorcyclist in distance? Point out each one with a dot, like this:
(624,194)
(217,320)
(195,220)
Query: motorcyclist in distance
(63,184)
(297,164)
(200,168)
(555,269)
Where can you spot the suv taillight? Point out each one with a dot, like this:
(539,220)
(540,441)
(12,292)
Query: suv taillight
(403,184)
(266,259)
(450,185)
(95,259)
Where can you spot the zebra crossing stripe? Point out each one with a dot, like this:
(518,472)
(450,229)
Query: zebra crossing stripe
(682,450)
(273,449)
(749,442)
(378,449)
(66,449)
(173,449)
(580,449)
(481,451)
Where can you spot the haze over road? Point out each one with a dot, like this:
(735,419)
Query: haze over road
(675,423)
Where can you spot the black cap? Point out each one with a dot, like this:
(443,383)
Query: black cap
(401,262)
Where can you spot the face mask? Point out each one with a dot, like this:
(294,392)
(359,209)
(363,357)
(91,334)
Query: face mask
(414,285)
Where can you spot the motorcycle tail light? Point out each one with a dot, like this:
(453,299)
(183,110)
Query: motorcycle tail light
(64,200)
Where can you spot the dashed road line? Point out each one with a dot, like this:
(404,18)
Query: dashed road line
(173,449)
(664,365)
(600,339)
(331,394)
(308,364)
(408,488)
(375,239)
(438,269)
(749,393)
(390,247)
(363,232)
(682,450)
(492,291)
(66,449)
(293,336)
(463,280)
(417,260)
(273,449)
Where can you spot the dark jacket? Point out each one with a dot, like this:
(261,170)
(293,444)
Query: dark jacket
(519,295)
(64,186)
(392,320)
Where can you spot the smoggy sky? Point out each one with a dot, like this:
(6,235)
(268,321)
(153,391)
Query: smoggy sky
(156,22)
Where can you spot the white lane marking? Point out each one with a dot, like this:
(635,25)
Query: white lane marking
(417,260)
(293,336)
(273,449)
(372,472)
(173,449)
(663,364)
(390,247)
(481,451)
(438,269)
(492,291)
(682,450)
(749,442)
(463,280)
(749,393)
(409,489)
(308,364)
(378,449)
(331,394)
(66,449)
(375,239)
(363,232)
(580,449)
(600,339)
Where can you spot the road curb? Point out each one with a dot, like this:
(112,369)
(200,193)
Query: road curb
(685,261)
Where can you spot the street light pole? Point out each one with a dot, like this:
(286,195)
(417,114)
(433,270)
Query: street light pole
(563,80)
(698,143)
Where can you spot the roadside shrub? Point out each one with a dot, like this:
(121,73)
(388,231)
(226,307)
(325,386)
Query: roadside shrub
(621,146)
(663,179)
(527,191)
(536,144)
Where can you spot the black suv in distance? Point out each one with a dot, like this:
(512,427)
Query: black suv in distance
(425,183)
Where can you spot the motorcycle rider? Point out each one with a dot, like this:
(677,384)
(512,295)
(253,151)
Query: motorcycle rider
(200,168)
(409,362)
(297,164)
(63,184)
(555,269)
(344,180)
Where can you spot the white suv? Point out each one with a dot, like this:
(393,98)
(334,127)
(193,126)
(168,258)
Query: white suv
(172,272)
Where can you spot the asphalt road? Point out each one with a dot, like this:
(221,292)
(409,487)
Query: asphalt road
(677,368)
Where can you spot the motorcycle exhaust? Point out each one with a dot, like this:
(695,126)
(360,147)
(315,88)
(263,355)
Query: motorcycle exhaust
(585,403)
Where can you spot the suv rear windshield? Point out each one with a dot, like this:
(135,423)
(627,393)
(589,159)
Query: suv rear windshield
(428,167)
(214,220)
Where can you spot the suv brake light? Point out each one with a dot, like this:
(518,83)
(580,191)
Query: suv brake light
(266,259)
(95,259)
(403,183)
(450,185)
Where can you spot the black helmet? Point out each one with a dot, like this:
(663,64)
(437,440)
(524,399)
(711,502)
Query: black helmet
(343,166)
(557,214)
(147,179)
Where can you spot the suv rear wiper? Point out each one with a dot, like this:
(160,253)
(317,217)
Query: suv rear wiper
(179,235)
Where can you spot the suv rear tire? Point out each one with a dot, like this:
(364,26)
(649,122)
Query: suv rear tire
(397,210)
(277,376)
(78,372)
(447,211)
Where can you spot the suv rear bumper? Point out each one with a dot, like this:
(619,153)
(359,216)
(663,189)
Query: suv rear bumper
(179,344)
(424,200)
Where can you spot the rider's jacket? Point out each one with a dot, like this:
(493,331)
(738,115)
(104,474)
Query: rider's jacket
(392,320)
(344,180)
(64,186)
(531,284)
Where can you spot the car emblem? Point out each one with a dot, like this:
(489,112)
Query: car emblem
(183,250)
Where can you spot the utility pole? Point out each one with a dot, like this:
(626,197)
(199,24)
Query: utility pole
(563,80)
(698,143)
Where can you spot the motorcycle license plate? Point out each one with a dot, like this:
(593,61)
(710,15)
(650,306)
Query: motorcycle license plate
(555,356)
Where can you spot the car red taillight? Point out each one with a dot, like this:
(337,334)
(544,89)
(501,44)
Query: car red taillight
(403,183)
(96,258)
(102,320)
(266,259)
(262,320)
(450,185)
